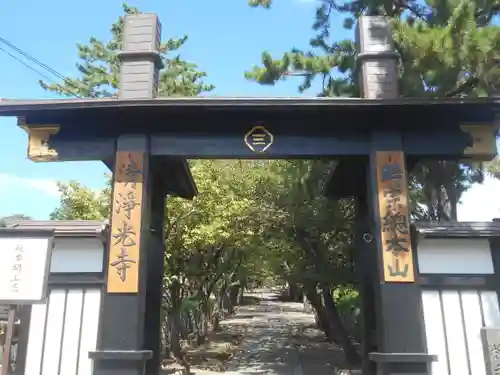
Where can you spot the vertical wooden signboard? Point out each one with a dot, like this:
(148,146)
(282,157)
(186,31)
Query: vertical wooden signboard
(124,256)
(394,217)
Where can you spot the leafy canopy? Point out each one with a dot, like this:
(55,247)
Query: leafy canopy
(78,202)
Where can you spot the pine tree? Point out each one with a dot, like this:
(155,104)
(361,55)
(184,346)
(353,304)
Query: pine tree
(448,48)
(99,68)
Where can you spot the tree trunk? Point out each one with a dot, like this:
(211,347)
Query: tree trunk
(174,319)
(241,291)
(352,356)
(226,303)
(294,292)
(234,292)
(219,310)
(175,344)
(165,338)
(201,324)
(174,323)
(307,306)
(315,300)
(451,192)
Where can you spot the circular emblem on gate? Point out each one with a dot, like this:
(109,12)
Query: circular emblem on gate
(259,139)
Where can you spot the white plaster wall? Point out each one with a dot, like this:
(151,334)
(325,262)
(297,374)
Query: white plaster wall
(453,321)
(62,331)
(454,255)
(77,255)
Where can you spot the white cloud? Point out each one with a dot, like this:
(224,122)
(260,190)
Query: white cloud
(481,202)
(10,182)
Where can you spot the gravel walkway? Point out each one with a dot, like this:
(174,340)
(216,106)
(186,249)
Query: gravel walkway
(267,345)
(271,344)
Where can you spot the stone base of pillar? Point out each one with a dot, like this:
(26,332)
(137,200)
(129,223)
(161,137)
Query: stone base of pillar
(403,363)
(120,362)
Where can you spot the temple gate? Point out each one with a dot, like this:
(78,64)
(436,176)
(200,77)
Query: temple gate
(146,140)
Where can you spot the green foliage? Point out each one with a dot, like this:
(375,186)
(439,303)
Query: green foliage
(17,217)
(348,303)
(262,3)
(450,53)
(214,240)
(219,214)
(99,68)
(494,167)
(13,217)
(310,235)
(256,218)
(78,202)
(347,300)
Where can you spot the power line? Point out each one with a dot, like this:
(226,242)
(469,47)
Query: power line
(38,72)
(41,64)
(31,58)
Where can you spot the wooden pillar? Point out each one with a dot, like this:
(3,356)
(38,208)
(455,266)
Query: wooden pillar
(400,332)
(154,287)
(366,259)
(129,333)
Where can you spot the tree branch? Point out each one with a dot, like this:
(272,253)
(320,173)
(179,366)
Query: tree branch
(467,85)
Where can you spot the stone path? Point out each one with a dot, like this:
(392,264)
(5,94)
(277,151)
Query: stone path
(270,345)
(267,345)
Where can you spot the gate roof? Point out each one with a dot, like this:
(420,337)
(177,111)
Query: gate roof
(344,118)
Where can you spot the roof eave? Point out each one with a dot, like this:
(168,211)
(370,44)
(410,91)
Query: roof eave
(10,107)
(64,228)
(458,229)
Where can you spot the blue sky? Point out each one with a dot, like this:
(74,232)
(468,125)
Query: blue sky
(226,37)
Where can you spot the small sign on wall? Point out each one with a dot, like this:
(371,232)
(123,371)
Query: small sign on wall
(24,269)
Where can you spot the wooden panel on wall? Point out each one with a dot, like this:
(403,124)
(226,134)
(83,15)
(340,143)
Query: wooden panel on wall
(123,266)
(72,333)
(394,217)
(455,256)
(56,310)
(77,255)
(435,330)
(34,351)
(453,320)
(88,336)
(62,331)
(472,318)
(454,330)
